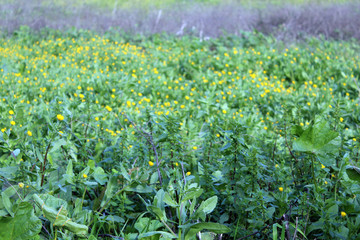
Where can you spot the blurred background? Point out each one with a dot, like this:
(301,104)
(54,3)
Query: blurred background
(292,19)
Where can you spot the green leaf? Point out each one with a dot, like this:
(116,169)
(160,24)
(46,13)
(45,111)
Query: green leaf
(166,235)
(169,201)
(154,178)
(159,199)
(7,172)
(139,189)
(193,193)
(57,144)
(321,140)
(100,175)
(24,224)
(69,172)
(157,212)
(110,189)
(58,217)
(6,195)
(353,173)
(144,224)
(39,155)
(208,205)
(296,130)
(197,227)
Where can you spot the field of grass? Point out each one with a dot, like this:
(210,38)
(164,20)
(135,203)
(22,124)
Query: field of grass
(109,137)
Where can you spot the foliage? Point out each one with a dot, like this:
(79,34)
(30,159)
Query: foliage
(110,137)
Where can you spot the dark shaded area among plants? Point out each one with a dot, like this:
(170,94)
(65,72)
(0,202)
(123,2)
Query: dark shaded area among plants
(337,21)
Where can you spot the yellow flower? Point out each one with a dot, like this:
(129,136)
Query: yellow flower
(29,133)
(281,189)
(188,173)
(12,123)
(176,164)
(60,117)
(354,139)
(322,166)
(194,147)
(21,185)
(224,111)
(151,163)
(341,119)
(308,103)
(11,112)
(108,108)
(343,214)
(85,175)
(265,128)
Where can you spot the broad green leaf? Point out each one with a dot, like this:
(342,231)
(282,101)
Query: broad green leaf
(159,199)
(6,195)
(208,205)
(198,227)
(157,212)
(353,173)
(193,193)
(7,172)
(24,225)
(144,224)
(169,201)
(100,175)
(57,144)
(321,140)
(58,217)
(91,164)
(154,178)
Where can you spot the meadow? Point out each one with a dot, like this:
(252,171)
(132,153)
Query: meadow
(105,136)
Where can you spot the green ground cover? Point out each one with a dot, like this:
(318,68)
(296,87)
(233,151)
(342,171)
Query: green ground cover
(110,137)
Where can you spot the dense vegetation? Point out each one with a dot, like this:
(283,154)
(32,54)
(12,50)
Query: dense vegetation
(127,138)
